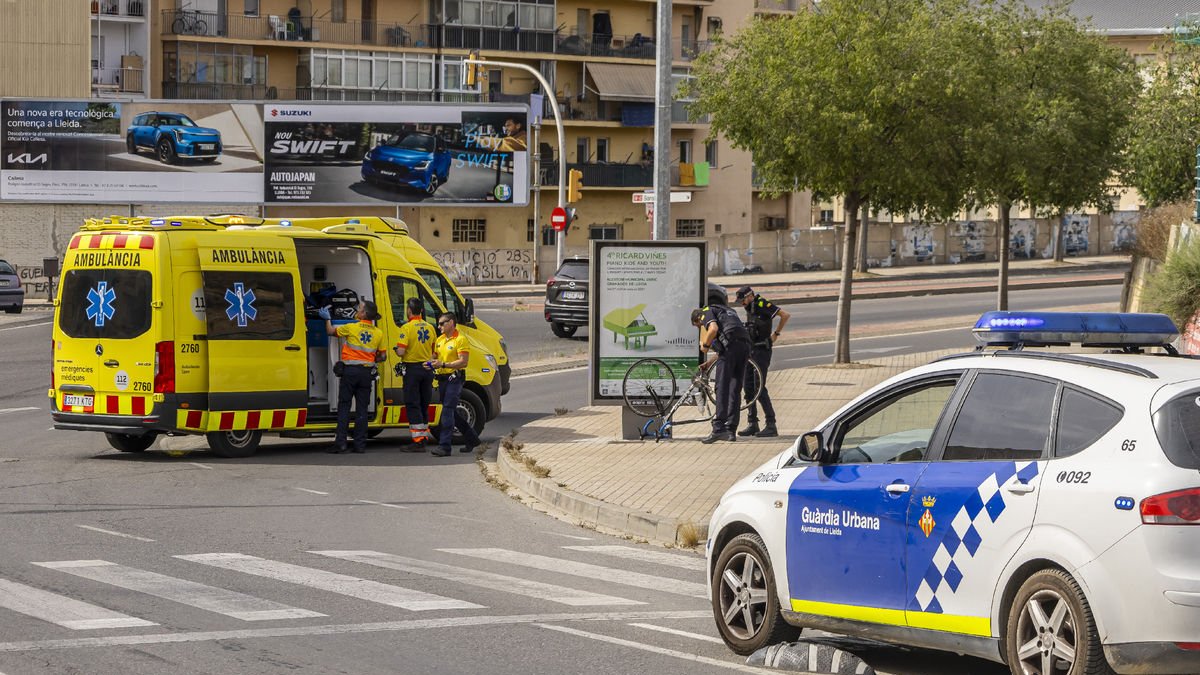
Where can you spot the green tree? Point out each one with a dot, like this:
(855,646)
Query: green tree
(857,98)
(1166,124)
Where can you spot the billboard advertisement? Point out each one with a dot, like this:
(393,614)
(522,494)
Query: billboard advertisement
(127,152)
(643,294)
(426,154)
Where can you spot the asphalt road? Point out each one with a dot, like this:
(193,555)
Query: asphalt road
(377,563)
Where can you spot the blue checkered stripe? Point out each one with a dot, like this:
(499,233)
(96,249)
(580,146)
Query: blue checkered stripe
(952,562)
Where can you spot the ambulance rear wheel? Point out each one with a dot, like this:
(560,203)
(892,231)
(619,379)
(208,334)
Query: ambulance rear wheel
(129,443)
(745,601)
(233,443)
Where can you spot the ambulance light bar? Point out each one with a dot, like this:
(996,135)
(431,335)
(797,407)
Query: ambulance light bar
(1107,329)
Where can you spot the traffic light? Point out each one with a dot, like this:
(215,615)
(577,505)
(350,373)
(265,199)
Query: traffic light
(474,72)
(574,186)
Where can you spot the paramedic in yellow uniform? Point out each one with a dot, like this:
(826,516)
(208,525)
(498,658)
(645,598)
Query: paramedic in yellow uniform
(362,340)
(450,355)
(415,349)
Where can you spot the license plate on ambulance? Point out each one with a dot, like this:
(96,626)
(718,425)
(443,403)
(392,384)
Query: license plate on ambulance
(572,295)
(75,400)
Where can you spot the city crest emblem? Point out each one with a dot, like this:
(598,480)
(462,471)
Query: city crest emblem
(926,522)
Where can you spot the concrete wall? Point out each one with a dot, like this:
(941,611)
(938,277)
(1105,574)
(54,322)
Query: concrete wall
(46,48)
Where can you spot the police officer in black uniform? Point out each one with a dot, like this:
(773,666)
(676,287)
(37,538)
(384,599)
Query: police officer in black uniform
(723,332)
(760,320)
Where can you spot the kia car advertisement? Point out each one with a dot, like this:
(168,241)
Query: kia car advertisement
(399,153)
(125,152)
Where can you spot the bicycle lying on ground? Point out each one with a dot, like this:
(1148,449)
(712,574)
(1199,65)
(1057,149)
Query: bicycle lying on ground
(651,389)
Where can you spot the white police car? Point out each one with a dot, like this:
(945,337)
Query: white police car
(1037,508)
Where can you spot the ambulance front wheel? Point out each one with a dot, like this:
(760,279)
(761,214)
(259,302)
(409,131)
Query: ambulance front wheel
(745,601)
(233,443)
(129,443)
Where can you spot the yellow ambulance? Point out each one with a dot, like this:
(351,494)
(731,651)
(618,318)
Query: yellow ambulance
(181,325)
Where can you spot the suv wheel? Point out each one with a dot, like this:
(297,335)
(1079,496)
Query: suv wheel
(433,185)
(1051,631)
(562,330)
(166,151)
(130,145)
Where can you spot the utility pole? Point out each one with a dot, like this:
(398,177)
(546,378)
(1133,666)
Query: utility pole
(537,208)
(662,122)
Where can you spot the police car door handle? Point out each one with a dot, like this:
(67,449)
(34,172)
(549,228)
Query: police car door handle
(898,488)
(112,363)
(292,348)
(1019,487)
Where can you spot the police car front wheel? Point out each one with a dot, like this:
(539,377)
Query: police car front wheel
(1051,631)
(745,602)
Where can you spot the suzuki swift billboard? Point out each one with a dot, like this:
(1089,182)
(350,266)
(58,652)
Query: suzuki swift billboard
(412,153)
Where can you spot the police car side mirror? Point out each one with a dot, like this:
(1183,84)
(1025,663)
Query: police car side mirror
(809,448)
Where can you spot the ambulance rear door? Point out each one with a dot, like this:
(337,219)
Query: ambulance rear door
(253,317)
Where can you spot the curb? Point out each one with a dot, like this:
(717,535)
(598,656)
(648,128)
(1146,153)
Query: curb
(591,511)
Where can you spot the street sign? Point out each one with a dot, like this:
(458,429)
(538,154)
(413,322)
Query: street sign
(558,219)
(676,197)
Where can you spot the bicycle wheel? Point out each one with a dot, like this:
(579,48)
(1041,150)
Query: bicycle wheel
(178,27)
(648,387)
(698,402)
(752,384)
(200,27)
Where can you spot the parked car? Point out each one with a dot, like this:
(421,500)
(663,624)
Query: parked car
(172,137)
(567,297)
(12,294)
(1039,509)
(416,160)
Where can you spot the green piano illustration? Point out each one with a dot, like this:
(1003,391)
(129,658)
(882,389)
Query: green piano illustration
(631,324)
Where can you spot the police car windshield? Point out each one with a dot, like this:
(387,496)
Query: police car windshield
(420,142)
(176,120)
(1177,425)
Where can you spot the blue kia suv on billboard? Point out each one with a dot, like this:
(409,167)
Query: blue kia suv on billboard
(172,137)
(416,160)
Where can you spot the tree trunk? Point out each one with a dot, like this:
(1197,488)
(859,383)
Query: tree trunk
(1002,257)
(1058,237)
(862,237)
(841,351)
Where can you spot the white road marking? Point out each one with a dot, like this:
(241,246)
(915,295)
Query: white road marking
(113,533)
(344,629)
(568,536)
(631,553)
(658,650)
(61,610)
(390,506)
(363,589)
(473,520)
(28,325)
(5,411)
(470,577)
(550,372)
(682,633)
(209,598)
(315,492)
(588,570)
(202,466)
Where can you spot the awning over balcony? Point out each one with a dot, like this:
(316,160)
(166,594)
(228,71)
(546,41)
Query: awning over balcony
(619,82)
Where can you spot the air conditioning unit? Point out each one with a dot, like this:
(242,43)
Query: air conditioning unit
(773,222)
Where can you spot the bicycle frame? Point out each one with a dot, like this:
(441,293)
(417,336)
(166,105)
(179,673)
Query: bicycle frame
(698,387)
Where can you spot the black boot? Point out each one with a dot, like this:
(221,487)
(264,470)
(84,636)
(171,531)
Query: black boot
(718,436)
(768,431)
(751,428)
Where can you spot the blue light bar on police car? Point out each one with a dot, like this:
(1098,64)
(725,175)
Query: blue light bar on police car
(1083,328)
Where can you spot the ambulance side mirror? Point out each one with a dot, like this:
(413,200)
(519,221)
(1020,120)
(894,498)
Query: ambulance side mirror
(810,448)
(469,309)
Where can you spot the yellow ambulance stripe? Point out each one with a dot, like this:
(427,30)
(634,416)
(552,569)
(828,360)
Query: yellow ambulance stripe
(125,405)
(949,623)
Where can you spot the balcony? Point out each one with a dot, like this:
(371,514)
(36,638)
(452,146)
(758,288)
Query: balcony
(109,9)
(116,81)
(603,174)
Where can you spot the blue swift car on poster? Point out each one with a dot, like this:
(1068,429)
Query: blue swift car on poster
(416,160)
(172,137)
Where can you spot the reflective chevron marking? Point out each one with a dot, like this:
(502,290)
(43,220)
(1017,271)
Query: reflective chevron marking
(61,610)
(363,589)
(588,570)
(488,580)
(687,562)
(209,598)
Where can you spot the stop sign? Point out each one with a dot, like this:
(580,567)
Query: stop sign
(558,219)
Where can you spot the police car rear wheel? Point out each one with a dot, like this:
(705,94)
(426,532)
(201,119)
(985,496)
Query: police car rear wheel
(233,443)
(128,443)
(1051,631)
(745,602)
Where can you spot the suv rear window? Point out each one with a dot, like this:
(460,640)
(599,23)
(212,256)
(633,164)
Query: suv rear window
(105,303)
(5,268)
(1177,425)
(573,269)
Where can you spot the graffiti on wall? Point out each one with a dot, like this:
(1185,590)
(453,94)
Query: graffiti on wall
(1124,232)
(35,283)
(918,241)
(486,265)
(1075,234)
(1022,238)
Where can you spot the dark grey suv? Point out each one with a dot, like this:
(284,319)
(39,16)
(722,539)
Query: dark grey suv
(567,297)
(12,294)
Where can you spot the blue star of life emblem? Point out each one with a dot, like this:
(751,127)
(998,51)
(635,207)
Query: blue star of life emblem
(241,304)
(423,334)
(364,338)
(100,303)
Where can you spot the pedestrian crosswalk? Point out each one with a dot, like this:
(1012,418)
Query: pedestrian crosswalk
(561,579)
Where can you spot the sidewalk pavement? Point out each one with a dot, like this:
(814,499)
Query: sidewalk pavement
(665,492)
